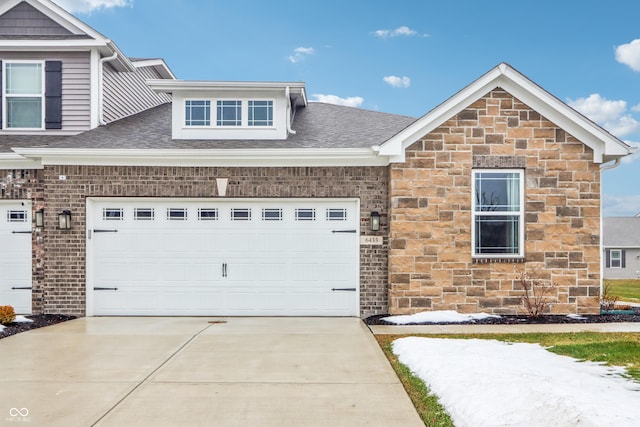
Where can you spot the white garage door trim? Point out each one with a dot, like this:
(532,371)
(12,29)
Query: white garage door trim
(339,297)
(16,263)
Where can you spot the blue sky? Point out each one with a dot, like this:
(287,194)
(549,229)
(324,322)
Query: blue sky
(402,56)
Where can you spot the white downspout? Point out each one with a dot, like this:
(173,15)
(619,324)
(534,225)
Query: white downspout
(603,168)
(289,111)
(101,86)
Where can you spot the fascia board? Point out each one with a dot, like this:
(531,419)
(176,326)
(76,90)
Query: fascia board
(82,44)
(15,161)
(213,157)
(189,85)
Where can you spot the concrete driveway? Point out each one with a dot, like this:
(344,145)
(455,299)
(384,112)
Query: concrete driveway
(188,371)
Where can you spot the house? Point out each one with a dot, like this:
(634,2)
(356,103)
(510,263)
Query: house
(621,247)
(128,192)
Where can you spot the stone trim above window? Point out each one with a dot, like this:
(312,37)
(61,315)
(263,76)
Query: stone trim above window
(499,162)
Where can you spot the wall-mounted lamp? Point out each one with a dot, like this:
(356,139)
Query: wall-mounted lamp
(64,220)
(375,221)
(40,217)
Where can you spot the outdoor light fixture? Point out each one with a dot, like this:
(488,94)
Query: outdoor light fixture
(375,221)
(40,217)
(64,220)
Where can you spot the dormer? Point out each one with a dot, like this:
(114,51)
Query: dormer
(215,110)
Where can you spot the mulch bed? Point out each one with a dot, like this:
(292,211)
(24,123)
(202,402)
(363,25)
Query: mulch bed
(39,321)
(519,320)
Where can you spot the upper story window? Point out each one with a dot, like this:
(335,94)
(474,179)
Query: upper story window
(498,213)
(198,113)
(23,92)
(229,113)
(260,113)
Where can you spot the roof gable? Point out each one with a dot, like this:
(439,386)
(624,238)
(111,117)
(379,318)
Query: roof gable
(26,21)
(55,29)
(605,146)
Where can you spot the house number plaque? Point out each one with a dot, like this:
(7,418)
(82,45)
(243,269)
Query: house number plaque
(371,240)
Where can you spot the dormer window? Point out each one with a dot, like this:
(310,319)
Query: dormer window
(228,113)
(23,92)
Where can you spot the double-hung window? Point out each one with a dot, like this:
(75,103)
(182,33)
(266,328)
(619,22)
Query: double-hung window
(23,93)
(616,258)
(498,213)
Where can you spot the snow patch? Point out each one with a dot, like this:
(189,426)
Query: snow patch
(445,316)
(22,319)
(491,383)
(576,317)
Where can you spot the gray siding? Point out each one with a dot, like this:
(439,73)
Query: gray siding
(76,85)
(25,20)
(631,269)
(126,94)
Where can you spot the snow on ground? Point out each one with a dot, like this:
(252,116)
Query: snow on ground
(493,383)
(448,316)
(17,319)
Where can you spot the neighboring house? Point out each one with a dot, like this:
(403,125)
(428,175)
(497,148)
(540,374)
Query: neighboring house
(621,246)
(243,198)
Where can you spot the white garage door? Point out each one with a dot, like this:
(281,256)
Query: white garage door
(15,259)
(237,257)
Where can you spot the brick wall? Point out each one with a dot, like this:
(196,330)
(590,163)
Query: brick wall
(65,255)
(431,267)
(21,184)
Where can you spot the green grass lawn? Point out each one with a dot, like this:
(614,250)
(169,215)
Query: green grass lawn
(625,289)
(617,349)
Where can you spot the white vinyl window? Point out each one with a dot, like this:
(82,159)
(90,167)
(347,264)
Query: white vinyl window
(260,113)
(197,112)
(22,95)
(498,213)
(229,113)
(616,258)
(17,216)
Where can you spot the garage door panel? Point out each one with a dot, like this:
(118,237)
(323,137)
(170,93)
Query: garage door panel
(222,265)
(16,259)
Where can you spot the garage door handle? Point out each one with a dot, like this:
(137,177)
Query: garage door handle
(344,289)
(105,289)
(15,288)
(105,231)
(344,231)
(224,269)
(21,232)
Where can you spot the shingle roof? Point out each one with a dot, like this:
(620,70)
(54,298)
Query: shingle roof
(622,232)
(318,125)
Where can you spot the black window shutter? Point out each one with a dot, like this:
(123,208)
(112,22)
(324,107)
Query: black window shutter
(608,258)
(1,92)
(624,259)
(53,95)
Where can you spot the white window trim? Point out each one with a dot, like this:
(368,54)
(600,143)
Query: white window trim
(244,111)
(520,215)
(4,93)
(618,258)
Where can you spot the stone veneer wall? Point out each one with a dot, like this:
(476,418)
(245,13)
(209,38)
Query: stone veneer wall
(65,255)
(19,184)
(430,261)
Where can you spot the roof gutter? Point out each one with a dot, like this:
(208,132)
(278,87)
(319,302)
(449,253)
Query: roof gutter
(603,168)
(290,111)
(101,86)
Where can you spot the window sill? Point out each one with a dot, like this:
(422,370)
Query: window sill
(504,260)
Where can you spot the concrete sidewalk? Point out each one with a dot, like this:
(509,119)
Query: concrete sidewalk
(189,372)
(504,329)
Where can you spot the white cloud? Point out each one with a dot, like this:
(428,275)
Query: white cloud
(629,54)
(636,108)
(354,101)
(88,6)
(396,81)
(400,31)
(612,115)
(628,205)
(300,53)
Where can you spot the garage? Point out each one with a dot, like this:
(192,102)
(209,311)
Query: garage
(15,263)
(236,257)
